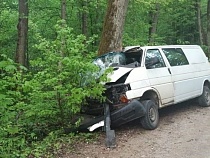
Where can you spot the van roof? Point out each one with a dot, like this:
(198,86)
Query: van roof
(162,46)
(172,46)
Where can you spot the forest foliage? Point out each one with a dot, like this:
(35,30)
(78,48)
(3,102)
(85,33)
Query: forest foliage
(45,99)
(39,101)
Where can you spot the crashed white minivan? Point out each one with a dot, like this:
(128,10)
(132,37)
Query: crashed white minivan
(147,78)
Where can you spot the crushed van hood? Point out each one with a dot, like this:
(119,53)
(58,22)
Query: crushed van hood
(118,73)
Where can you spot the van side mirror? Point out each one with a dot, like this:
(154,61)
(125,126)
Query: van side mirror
(151,61)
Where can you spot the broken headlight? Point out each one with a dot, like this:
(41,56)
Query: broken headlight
(115,93)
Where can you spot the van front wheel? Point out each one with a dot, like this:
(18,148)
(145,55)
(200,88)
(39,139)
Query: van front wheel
(204,99)
(151,119)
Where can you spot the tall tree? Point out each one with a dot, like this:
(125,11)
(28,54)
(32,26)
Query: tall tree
(63,17)
(111,39)
(208,26)
(198,6)
(84,18)
(63,9)
(62,54)
(153,21)
(22,43)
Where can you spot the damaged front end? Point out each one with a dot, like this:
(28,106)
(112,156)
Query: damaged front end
(116,94)
(117,109)
(122,109)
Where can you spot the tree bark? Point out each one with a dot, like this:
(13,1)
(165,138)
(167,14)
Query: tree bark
(153,15)
(208,26)
(111,39)
(63,17)
(84,18)
(62,54)
(22,42)
(198,7)
(63,9)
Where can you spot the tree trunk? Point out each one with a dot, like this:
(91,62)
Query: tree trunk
(63,17)
(111,39)
(63,9)
(198,7)
(208,26)
(22,42)
(153,15)
(84,18)
(62,54)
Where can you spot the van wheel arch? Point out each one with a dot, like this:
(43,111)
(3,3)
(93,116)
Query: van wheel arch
(207,83)
(204,99)
(151,95)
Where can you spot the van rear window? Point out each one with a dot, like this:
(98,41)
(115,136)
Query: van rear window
(175,56)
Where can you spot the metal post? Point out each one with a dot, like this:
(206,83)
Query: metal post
(110,134)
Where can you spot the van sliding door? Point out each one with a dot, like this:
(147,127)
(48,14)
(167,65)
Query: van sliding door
(182,74)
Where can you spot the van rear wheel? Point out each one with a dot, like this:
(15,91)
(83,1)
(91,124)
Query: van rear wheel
(204,99)
(151,119)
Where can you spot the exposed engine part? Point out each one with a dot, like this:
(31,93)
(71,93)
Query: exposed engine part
(115,92)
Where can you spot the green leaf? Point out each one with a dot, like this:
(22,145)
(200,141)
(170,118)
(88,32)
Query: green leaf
(12,129)
(10,68)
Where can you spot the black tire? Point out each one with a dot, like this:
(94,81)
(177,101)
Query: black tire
(204,99)
(151,119)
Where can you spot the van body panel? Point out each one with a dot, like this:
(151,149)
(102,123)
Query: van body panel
(136,93)
(183,80)
(160,79)
(118,73)
(195,55)
(139,84)
(137,74)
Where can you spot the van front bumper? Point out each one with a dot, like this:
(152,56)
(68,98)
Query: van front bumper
(133,110)
(130,112)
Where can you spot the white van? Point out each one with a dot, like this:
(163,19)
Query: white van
(147,78)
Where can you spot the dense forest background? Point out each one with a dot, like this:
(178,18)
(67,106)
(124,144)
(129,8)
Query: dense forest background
(147,22)
(45,51)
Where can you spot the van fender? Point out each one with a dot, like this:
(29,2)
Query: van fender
(155,91)
(138,93)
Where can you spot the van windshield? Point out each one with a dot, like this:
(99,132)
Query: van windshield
(119,59)
(110,59)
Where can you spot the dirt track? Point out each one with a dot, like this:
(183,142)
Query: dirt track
(183,132)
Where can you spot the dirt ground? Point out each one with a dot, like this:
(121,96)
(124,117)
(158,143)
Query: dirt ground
(183,132)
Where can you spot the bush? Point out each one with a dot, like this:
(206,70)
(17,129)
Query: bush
(40,103)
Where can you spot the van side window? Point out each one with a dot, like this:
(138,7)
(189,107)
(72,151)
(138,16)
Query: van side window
(154,59)
(175,56)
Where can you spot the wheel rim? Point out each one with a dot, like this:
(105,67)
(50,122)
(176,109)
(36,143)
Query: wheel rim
(152,114)
(207,97)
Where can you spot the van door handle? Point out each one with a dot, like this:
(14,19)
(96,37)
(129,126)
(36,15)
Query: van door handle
(169,70)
